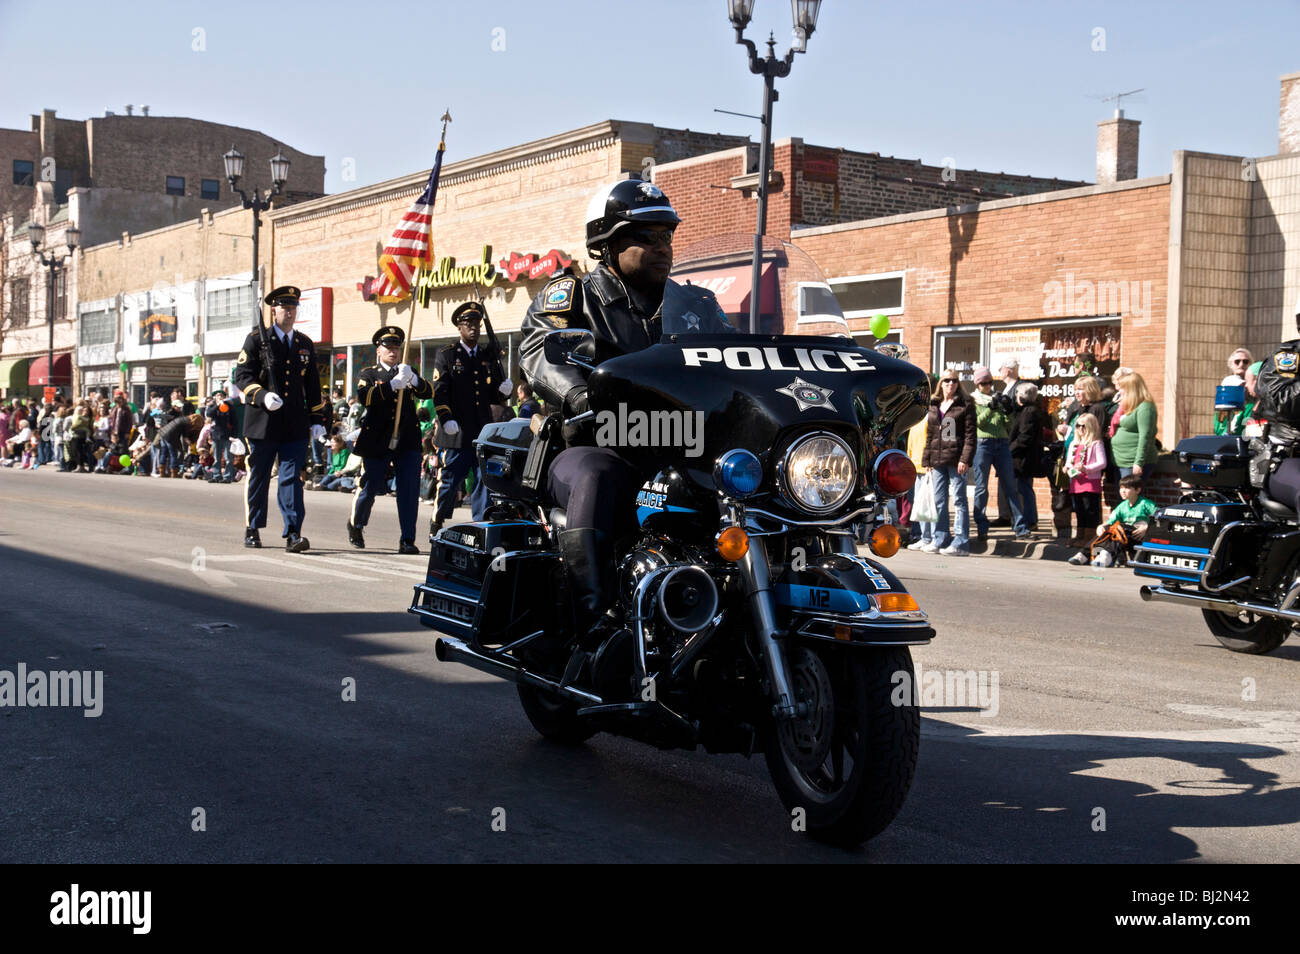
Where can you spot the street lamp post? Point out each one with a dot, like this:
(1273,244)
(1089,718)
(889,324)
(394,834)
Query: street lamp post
(234,160)
(72,235)
(805,21)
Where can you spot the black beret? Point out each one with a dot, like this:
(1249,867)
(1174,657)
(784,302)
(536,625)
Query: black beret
(284,295)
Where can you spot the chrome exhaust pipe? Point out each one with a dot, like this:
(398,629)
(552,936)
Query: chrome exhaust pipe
(1159,594)
(451,649)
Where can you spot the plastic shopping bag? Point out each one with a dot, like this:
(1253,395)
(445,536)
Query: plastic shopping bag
(923,508)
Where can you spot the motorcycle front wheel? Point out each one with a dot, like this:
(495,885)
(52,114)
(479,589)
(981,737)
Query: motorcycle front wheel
(1247,632)
(848,762)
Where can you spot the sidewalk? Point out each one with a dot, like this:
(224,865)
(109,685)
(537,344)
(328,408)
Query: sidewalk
(1002,542)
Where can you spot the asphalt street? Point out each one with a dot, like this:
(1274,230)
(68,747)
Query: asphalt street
(1122,731)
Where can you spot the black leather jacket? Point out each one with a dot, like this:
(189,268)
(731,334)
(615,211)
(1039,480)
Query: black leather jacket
(600,303)
(1279,393)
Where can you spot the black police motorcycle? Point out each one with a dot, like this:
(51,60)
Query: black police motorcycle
(1227,548)
(745,617)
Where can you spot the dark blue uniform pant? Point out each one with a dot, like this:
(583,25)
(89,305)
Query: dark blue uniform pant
(1284,483)
(261,455)
(374,483)
(456,465)
(596,488)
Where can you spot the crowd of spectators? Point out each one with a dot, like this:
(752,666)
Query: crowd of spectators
(1104,435)
(171,437)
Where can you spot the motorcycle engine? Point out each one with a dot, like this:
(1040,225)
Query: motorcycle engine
(678,597)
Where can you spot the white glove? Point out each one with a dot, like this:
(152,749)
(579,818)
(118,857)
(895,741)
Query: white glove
(506,387)
(451,428)
(272,401)
(398,382)
(405,371)
(318,432)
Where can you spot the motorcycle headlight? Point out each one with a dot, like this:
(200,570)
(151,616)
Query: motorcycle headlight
(818,473)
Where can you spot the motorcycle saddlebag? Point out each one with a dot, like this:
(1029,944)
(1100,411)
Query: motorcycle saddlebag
(1222,462)
(469,562)
(1179,541)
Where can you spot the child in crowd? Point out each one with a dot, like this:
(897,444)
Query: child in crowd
(1125,529)
(1085,466)
(333,479)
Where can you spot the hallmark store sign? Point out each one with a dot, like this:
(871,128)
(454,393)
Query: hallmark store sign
(484,274)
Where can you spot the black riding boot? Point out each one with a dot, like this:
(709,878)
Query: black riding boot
(589,565)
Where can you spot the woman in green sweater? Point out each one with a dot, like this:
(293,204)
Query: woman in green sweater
(1134,441)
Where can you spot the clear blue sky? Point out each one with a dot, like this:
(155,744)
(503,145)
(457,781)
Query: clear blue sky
(999,85)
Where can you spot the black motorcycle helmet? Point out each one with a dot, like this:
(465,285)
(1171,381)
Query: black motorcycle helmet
(623,203)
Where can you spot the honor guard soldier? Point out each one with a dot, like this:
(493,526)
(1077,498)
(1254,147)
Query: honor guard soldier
(379,389)
(467,381)
(277,374)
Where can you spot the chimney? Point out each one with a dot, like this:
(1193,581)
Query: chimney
(1117,149)
(1288,119)
(130,110)
(144,110)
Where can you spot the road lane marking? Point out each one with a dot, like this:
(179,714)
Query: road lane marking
(223,578)
(298,563)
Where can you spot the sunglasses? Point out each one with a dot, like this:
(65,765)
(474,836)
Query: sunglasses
(948,381)
(1240,361)
(651,237)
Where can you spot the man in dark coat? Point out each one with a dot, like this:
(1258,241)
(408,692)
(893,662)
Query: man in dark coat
(225,427)
(284,406)
(467,381)
(380,388)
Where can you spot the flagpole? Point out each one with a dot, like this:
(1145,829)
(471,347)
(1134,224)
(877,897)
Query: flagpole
(410,318)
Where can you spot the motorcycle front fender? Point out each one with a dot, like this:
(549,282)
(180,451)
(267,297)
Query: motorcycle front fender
(847,601)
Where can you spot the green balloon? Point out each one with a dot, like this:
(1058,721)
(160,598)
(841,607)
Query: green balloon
(880,326)
(125,460)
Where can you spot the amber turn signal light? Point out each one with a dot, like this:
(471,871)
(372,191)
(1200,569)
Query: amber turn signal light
(885,540)
(733,544)
(896,603)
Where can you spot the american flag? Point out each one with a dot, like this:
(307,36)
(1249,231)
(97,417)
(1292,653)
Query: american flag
(411,245)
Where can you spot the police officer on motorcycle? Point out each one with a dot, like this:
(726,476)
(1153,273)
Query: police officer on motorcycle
(630,227)
(1279,404)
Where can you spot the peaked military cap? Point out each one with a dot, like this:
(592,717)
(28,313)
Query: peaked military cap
(284,295)
(470,311)
(390,335)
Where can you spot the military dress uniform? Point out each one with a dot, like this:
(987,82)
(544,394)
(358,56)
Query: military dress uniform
(1278,388)
(375,392)
(465,387)
(282,433)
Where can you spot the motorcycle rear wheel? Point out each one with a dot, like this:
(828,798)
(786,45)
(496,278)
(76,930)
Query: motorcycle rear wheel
(554,718)
(870,752)
(1247,632)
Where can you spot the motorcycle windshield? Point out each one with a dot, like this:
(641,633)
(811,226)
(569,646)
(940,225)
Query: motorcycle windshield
(705,389)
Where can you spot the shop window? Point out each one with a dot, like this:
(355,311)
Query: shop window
(19,302)
(230,308)
(175,185)
(866,295)
(959,351)
(24,172)
(97,327)
(210,189)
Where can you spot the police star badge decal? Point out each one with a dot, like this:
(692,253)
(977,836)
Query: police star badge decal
(807,395)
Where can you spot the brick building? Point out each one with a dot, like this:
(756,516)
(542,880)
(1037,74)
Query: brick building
(111,177)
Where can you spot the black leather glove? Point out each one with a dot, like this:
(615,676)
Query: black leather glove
(576,401)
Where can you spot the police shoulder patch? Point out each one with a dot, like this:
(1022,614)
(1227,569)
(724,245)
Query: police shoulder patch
(558,295)
(1286,361)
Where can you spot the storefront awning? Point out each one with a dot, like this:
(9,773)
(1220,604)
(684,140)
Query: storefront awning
(13,373)
(38,374)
